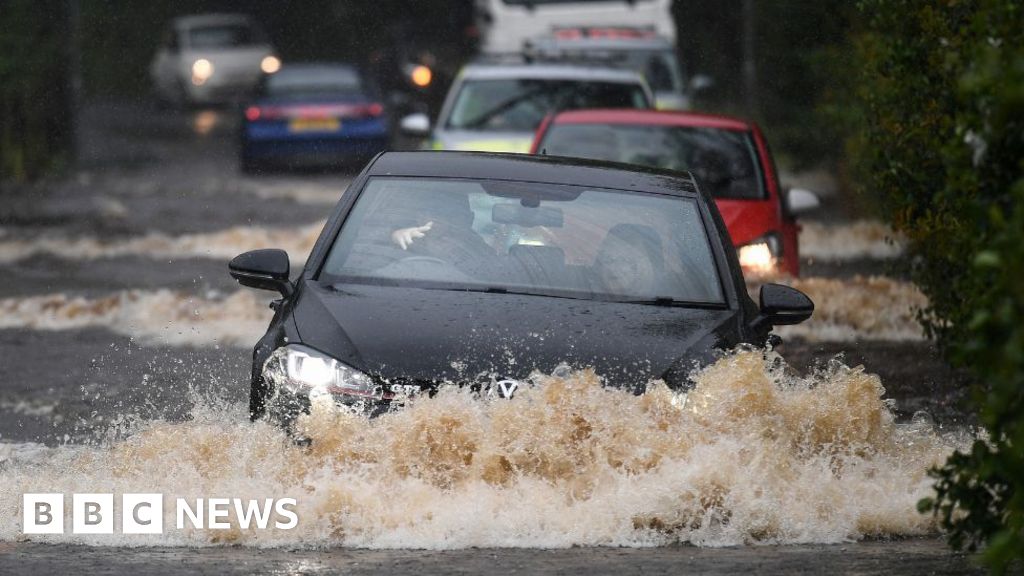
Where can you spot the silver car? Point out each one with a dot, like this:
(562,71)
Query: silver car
(653,56)
(498,107)
(211,58)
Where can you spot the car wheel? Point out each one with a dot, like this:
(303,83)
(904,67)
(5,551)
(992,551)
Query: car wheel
(281,410)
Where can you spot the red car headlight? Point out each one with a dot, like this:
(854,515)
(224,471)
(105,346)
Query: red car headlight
(761,256)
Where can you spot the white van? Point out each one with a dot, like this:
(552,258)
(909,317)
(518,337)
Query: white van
(640,50)
(505,25)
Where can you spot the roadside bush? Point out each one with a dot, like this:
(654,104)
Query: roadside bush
(34,107)
(943,146)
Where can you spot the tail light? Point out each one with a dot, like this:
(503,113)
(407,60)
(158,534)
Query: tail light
(359,110)
(253,113)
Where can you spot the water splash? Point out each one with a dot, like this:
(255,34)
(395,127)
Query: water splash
(223,244)
(860,239)
(157,317)
(754,454)
(859,308)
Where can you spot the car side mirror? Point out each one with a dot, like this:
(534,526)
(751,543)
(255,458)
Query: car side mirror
(416,125)
(782,306)
(800,201)
(266,269)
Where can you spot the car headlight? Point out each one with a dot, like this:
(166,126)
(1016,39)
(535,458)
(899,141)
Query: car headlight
(421,76)
(270,64)
(301,370)
(202,69)
(762,255)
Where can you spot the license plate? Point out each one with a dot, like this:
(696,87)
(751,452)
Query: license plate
(314,125)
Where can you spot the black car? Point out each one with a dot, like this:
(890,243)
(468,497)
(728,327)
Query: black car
(477,269)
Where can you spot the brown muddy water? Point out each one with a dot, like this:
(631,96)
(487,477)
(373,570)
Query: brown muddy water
(753,455)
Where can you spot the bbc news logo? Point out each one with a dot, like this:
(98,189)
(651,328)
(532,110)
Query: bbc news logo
(144,513)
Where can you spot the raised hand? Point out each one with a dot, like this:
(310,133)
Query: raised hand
(404,236)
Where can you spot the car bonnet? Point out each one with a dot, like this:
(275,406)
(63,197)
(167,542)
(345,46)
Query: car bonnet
(431,336)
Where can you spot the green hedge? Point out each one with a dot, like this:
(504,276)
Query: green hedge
(34,105)
(942,91)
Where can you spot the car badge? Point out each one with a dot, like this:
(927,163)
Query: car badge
(506,388)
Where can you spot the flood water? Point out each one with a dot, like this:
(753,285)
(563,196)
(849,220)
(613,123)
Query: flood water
(126,351)
(752,455)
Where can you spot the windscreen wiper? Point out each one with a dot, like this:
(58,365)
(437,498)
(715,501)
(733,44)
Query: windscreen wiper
(666,301)
(507,104)
(503,290)
(669,302)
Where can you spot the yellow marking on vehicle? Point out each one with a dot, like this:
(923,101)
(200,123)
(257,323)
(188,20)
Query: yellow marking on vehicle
(314,125)
(500,145)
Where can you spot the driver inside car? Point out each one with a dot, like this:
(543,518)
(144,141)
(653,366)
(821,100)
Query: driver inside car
(438,226)
(444,219)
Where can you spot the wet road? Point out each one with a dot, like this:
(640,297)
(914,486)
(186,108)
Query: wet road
(145,172)
(913,556)
(168,176)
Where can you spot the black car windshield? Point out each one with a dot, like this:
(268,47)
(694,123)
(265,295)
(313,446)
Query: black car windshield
(313,80)
(519,105)
(524,237)
(724,162)
(224,36)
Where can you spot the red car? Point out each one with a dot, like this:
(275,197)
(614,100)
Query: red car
(728,156)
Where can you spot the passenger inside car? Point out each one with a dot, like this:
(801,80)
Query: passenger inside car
(628,260)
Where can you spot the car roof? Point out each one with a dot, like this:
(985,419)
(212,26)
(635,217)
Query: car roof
(489,71)
(211,20)
(533,168)
(652,117)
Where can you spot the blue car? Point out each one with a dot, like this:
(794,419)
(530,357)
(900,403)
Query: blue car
(313,114)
